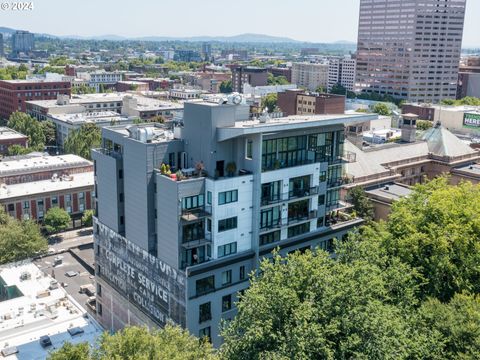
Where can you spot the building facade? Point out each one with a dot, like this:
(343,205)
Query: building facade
(22,42)
(410,49)
(310,75)
(180,246)
(247,74)
(31,185)
(9,137)
(299,102)
(15,93)
(342,71)
(2,51)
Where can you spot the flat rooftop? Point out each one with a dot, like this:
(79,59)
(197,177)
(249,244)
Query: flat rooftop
(473,169)
(295,122)
(391,191)
(9,134)
(38,310)
(27,165)
(91,117)
(75,181)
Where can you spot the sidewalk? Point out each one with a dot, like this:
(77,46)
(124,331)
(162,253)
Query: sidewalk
(70,239)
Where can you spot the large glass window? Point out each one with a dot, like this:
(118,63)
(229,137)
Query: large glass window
(271,192)
(270,218)
(298,210)
(192,232)
(227,197)
(270,238)
(193,202)
(284,152)
(205,312)
(228,249)
(227,224)
(227,277)
(205,285)
(226,303)
(299,186)
(298,229)
(333,197)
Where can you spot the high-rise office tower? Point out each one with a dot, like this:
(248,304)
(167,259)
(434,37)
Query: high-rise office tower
(22,42)
(179,246)
(410,49)
(1,45)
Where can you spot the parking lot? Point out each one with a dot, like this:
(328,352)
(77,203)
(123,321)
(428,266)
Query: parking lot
(71,264)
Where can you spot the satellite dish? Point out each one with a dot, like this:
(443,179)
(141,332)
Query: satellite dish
(237,99)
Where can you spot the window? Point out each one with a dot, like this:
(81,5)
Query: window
(271,192)
(298,229)
(26,204)
(227,224)
(120,197)
(120,174)
(227,197)
(242,272)
(323,176)
(192,232)
(227,249)
(226,303)
(205,285)
(249,149)
(321,200)
(99,309)
(99,289)
(205,312)
(227,277)
(209,225)
(270,218)
(269,238)
(205,332)
(209,197)
(193,202)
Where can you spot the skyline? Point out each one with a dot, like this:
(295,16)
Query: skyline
(268,18)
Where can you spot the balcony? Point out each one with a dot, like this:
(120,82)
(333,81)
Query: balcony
(302,217)
(202,240)
(270,227)
(269,200)
(277,165)
(196,213)
(339,182)
(299,193)
(339,218)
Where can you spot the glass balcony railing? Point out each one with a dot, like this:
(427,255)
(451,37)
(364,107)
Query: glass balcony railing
(196,213)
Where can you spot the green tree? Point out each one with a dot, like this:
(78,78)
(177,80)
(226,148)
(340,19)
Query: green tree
(49,131)
(68,351)
(18,150)
(28,126)
(321,89)
(87,218)
(338,89)
(226,87)
(83,89)
(19,239)
(361,203)
(453,328)
(56,220)
(170,343)
(423,125)
(81,141)
(276,80)
(381,109)
(309,306)
(436,230)
(270,102)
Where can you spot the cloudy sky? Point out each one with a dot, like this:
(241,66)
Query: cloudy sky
(308,20)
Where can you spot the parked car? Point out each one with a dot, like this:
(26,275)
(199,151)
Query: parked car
(45,341)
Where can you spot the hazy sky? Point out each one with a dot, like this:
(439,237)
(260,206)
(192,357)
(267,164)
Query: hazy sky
(308,20)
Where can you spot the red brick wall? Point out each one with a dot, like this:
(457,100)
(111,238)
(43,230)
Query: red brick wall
(44,175)
(75,203)
(18,208)
(33,209)
(48,204)
(88,200)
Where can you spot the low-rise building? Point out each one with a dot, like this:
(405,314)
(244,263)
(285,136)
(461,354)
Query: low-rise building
(101,78)
(9,137)
(183,93)
(32,185)
(38,315)
(124,86)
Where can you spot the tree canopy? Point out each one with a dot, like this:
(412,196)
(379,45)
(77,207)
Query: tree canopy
(404,289)
(56,220)
(81,141)
(361,203)
(170,343)
(19,239)
(270,102)
(30,127)
(381,109)
(226,87)
(277,80)
(468,100)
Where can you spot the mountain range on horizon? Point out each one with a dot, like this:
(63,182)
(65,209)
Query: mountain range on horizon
(241,38)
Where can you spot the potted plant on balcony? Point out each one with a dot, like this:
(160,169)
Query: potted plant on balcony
(231,168)
(179,175)
(200,166)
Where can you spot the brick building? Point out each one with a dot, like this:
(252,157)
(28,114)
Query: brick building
(30,185)
(248,74)
(300,102)
(9,137)
(14,93)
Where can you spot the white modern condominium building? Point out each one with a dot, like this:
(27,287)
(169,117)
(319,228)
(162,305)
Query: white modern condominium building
(342,71)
